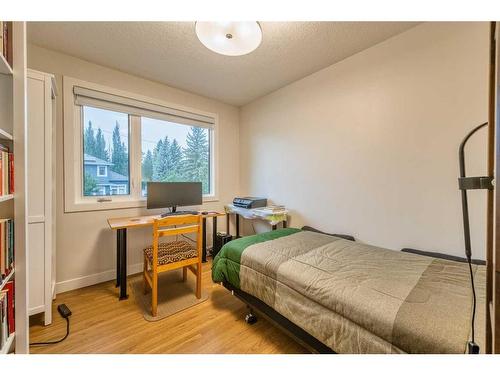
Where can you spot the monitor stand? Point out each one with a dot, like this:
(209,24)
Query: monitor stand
(173,212)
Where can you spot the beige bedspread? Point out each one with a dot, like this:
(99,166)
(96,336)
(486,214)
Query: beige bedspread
(357,298)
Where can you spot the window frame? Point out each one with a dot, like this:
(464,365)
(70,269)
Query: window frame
(74,200)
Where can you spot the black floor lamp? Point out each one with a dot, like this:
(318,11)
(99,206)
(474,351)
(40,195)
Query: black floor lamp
(464,184)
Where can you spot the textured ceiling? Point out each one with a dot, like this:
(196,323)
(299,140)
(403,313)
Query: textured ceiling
(169,52)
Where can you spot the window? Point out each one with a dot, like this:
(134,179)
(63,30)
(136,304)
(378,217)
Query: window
(105,145)
(102,171)
(115,142)
(174,153)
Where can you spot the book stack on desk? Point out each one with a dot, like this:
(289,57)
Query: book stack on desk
(271,210)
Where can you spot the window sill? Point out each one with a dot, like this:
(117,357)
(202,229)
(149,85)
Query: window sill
(210,198)
(86,206)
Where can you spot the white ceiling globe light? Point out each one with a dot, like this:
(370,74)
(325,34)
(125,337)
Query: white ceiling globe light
(229,38)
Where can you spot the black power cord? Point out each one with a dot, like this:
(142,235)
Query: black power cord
(65,312)
(469,183)
(473,347)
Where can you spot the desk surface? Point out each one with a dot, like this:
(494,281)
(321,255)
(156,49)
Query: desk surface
(144,221)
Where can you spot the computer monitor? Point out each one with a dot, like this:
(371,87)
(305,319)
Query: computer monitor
(173,194)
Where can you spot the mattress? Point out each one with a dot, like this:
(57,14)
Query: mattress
(357,298)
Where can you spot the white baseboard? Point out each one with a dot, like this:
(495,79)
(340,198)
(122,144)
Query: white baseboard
(96,278)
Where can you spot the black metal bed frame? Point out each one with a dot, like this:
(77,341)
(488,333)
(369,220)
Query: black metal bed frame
(292,330)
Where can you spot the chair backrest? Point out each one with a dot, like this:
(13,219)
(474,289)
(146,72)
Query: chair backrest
(174,226)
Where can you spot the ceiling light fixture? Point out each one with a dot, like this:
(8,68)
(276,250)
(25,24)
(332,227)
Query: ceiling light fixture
(229,38)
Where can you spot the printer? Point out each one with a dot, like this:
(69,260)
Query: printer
(249,202)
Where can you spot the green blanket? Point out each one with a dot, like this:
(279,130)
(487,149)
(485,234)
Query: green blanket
(226,265)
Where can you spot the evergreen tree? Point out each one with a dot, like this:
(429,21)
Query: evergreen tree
(165,159)
(162,164)
(100,146)
(175,159)
(157,162)
(89,140)
(147,166)
(119,156)
(109,152)
(89,184)
(196,157)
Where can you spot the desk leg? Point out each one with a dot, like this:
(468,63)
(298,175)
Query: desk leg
(237,226)
(214,234)
(204,241)
(118,259)
(228,218)
(122,240)
(284,224)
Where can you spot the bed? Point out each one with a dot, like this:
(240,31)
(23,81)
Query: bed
(355,298)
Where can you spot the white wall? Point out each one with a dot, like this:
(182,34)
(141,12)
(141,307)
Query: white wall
(368,146)
(86,247)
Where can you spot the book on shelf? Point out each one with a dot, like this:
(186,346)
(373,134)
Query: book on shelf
(11,173)
(9,290)
(7,307)
(1,36)
(6,247)
(7,327)
(6,171)
(6,40)
(4,331)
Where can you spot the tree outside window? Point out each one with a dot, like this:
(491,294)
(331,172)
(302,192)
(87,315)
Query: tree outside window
(175,153)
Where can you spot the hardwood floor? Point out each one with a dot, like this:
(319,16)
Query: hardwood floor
(102,324)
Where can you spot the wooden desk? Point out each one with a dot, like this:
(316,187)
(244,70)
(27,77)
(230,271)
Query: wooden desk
(121,224)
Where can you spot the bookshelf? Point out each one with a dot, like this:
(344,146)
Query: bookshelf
(9,344)
(6,197)
(7,279)
(4,66)
(5,135)
(13,135)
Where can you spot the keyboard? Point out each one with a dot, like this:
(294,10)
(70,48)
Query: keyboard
(178,213)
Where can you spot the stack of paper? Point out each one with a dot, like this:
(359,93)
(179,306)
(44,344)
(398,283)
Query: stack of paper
(271,210)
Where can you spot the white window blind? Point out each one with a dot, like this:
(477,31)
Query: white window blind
(99,99)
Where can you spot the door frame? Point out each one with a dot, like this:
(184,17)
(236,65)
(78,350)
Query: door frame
(493,202)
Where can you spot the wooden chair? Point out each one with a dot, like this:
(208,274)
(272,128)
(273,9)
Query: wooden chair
(162,257)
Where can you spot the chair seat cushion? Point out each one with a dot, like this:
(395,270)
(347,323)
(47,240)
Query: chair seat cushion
(171,252)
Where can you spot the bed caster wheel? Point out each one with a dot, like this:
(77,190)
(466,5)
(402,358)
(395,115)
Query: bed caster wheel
(250,318)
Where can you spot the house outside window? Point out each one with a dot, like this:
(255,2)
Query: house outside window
(106,152)
(102,184)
